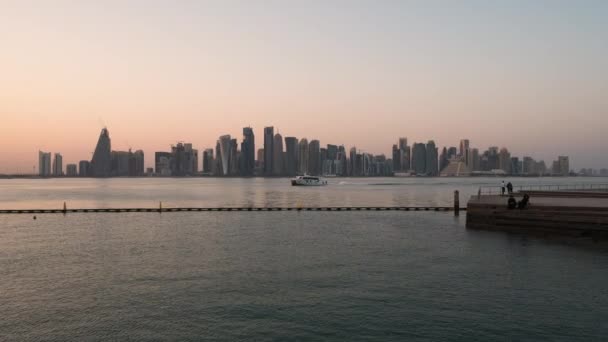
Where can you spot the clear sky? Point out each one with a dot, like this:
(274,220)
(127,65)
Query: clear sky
(528,75)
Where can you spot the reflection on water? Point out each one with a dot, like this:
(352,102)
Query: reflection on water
(261,192)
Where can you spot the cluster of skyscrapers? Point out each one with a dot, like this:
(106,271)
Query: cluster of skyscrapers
(291,156)
(105,162)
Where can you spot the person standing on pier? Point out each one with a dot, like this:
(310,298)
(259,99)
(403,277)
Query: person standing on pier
(502,188)
(509,188)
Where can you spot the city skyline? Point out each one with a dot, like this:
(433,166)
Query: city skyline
(530,76)
(299,156)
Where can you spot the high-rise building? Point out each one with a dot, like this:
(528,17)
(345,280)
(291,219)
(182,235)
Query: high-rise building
(452,152)
(71,170)
(529,166)
(396,158)
(353,170)
(303,156)
(464,146)
(84,168)
(119,161)
(277,155)
(332,152)
(564,165)
(101,164)
(504,160)
(515,170)
(431,166)
(223,156)
(58,165)
(234,158)
(291,156)
(208,161)
(475,164)
(247,152)
(162,163)
(44,164)
(444,161)
(314,157)
(268,150)
(136,163)
(419,158)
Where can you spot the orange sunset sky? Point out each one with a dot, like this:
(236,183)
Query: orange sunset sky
(530,76)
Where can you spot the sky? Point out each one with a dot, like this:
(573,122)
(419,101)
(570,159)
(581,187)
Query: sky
(531,76)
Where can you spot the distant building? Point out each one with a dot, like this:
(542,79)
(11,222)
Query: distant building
(84,168)
(268,150)
(504,160)
(208,161)
(515,166)
(419,158)
(162,163)
(44,164)
(247,152)
(119,161)
(277,155)
(464,146)
(136,163)
(431,167)
(58,165)
(101,164)
(443,159)
(291,156)
(184,160)
(303,156)
(314,158)
(224,143)
(561,166)
(71,170)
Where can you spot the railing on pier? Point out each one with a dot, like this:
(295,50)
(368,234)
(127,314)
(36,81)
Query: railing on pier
(497,189)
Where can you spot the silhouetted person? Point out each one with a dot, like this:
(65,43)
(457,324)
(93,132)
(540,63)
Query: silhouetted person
(511,203)
(524,202)
(510,188)
(502,188)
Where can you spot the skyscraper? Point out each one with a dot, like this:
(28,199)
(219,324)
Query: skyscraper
(303,156)
(314,157)
(44,164)
(291,156)
(564,165)
(162,163)
(58,165)
(101,164)
(208,161)
(84,168)
(268,150)
(419,158)
(443,159)
(224,154)
(247,152)
(71,170)
(464,146)
(431,159)
(233,165)
(353,170)
(396,158)
(277,155)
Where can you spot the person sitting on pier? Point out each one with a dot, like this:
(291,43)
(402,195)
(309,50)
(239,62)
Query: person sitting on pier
(510,188)
(523,204)
(511,203)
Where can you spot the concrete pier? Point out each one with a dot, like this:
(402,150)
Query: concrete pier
(572,213)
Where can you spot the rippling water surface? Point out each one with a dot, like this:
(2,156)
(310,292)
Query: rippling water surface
(284,275)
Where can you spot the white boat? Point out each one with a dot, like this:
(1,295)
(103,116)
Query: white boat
(308,181)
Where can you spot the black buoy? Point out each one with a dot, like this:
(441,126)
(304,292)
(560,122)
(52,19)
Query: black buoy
(34,217)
